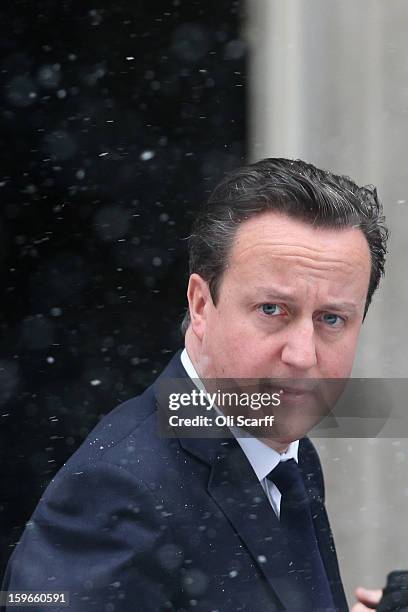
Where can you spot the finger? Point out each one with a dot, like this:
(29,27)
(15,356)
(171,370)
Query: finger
(368,597)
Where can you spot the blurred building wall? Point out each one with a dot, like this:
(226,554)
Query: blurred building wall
(329,84)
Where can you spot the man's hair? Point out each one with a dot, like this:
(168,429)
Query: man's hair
(295,188)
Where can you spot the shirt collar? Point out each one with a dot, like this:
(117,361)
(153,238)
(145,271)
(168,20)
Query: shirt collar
(262,457)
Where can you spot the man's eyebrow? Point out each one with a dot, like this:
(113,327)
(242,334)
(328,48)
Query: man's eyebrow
(344,306)
(272,293)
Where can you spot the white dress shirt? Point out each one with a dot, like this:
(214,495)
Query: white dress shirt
(262,457)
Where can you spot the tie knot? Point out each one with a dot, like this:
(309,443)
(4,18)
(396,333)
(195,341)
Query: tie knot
(288,478)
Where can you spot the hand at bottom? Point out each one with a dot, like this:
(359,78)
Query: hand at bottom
(368,599)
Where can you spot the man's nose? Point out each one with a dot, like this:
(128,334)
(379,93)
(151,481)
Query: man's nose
(299,350)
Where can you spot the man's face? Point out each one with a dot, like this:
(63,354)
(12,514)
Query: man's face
(290,302)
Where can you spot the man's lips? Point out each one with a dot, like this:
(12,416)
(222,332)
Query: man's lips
(296,390)
(293,388)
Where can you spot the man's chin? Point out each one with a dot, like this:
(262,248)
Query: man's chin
(279,444)
(285,437)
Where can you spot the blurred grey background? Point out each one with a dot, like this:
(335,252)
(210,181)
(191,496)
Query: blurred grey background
(329,84)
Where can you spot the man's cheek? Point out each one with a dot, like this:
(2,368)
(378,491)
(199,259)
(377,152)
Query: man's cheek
(338,365)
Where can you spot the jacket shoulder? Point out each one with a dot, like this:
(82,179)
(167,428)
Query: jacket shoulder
(124,423)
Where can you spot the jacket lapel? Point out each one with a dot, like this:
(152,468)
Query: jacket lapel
(235,488)
(312,474)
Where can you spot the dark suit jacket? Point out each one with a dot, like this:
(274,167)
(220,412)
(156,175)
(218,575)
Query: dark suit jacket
(136,522)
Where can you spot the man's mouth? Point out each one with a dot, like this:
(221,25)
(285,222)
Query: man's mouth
(301,390)
(294,388)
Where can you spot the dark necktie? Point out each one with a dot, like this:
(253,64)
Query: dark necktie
(296,520)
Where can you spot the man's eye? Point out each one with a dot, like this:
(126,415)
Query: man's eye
(333,320)
(271,309)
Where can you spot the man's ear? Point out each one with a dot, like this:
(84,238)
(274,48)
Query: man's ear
(199,302)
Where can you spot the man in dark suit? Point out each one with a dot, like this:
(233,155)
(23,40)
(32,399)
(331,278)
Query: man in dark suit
(284,260)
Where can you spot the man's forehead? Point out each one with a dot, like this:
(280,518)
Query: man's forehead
(283,235)
(280,253)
